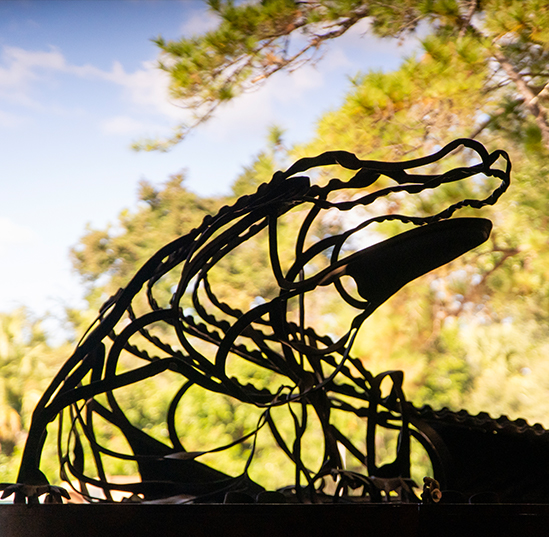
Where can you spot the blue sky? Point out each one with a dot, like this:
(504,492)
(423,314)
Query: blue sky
(78,84)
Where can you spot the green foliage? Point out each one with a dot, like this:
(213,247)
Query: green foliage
(412,110)
(265,164)
(107,259)
(497,48)
(27,364)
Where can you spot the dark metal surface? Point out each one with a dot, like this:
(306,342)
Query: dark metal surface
(195,335)
(389,520)
(490,460)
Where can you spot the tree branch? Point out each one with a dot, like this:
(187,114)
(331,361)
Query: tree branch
(530,99)
(466,21)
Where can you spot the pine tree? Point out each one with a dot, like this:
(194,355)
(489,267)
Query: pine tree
(505,43)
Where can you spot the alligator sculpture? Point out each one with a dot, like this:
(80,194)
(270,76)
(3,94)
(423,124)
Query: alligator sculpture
(194,335)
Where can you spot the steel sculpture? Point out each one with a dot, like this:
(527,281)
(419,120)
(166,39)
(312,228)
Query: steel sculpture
(195,335)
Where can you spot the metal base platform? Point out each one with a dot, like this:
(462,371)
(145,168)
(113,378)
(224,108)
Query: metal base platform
(385,520)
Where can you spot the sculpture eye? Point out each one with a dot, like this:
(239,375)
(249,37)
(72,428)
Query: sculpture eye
(381,270)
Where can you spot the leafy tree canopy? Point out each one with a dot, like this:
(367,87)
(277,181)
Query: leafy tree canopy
(504,43)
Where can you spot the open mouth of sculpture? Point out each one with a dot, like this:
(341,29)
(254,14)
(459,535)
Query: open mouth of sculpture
(382,269)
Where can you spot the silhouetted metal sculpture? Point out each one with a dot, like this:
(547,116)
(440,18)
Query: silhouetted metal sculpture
(194,334)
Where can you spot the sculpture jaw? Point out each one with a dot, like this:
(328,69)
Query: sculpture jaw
(381,270)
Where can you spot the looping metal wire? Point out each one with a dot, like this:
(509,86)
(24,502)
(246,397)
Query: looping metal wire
(200,333)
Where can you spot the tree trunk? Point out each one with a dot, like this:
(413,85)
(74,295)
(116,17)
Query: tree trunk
(530,99)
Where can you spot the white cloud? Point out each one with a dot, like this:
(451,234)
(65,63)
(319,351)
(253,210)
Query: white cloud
(241,116)
(357,47)
(12,233)
(300,81)
(11,121)
(253,112)
(336,58)
(147,88)
(199,22)
(21,70)
(121,125)
(36,58)
(128,126)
